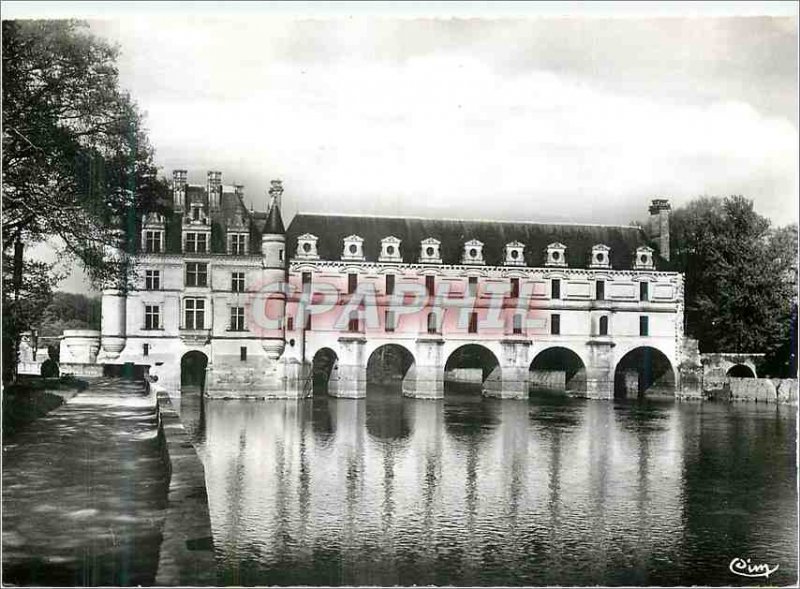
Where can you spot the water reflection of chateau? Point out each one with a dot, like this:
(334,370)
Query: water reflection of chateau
(587,308)
(545,490)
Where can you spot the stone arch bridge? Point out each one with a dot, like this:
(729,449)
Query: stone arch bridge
(508,367)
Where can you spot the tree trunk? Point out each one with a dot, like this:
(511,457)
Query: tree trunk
(17,286)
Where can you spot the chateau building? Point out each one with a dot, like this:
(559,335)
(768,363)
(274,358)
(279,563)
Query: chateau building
(266,311)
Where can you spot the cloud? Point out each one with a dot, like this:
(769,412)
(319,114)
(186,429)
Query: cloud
(536,119)
(447,130)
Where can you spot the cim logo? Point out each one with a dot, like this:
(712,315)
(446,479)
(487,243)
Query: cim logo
(744,568)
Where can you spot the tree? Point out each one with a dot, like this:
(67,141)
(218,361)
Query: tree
(70,311)
(740,275)
(77,164)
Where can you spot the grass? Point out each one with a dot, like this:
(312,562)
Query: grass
(32,397)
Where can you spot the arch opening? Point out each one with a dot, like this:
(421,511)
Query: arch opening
(193,370)
(389,366)
(557,370)
(740,371)
(471,368)
(323,370)
(644,372)
(191,406)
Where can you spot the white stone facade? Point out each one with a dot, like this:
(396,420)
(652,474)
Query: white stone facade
(585,315)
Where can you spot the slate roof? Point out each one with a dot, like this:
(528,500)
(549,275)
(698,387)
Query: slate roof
(579,239)
(232,214)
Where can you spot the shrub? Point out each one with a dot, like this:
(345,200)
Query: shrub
(49,368)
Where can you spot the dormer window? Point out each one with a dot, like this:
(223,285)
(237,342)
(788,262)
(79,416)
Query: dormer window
(644,258)
(153,233)
(601,256)
(473,253)
(353,248)
(237,244)
(197,214)
(153,241)
(555,255)
(515,254)
(307,247)
(390,250)
(196,243)
(430,252)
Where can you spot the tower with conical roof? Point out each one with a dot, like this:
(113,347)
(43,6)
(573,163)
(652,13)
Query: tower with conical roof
(273,251)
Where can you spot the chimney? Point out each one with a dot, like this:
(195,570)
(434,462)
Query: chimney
(178,189)
(659,225)
(275,192)
(214,190)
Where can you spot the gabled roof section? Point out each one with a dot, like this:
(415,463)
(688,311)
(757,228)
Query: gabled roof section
(453,234)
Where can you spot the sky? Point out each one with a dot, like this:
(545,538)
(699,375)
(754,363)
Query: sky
(527,114)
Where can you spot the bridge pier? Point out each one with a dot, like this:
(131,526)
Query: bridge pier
(507,382)
(600,370)
(348,378)
(511,378)
(425,379)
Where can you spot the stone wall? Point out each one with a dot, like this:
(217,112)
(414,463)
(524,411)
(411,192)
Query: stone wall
(551,380)
(80,369)
(760,390)
(187,547)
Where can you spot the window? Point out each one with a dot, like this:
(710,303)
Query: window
(352,325)
(306,281)
(280,255)
(473,323)
(196,274)
(644,291)
(238,244)
(473,286)
(152,317)
(389,322)
(352,283)
(145,350)
(517,324)
(152,279)
(196,243)
(237,281)
(600,290)
(196,213)
(555,288)
(390,284)
(432,327)
(243,353)
(604,325)
(555,324)
(237,318)
(644,325)
(515,288)
(152,242)
(430,285)
(308,322)
(194,317)
(290,323)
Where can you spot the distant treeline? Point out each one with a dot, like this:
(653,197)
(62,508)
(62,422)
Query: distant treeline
(70,311)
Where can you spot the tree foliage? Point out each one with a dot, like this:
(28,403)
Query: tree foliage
(22,307)
(741,276)
(77,164)
(70,311)
(76,160)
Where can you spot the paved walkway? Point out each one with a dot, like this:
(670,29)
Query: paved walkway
(84,492)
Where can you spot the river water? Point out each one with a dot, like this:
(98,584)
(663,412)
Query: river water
(472,491)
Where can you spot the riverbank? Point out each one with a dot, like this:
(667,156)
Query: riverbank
(84,491)
(187,549)
(31,398)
